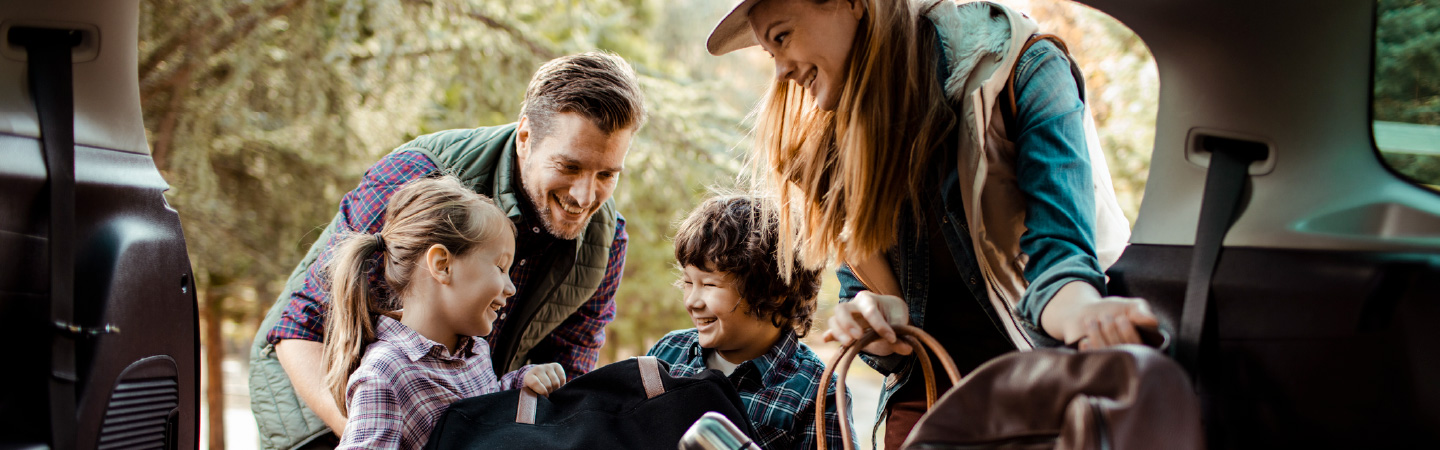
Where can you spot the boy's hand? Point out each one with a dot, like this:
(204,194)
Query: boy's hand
(545,378)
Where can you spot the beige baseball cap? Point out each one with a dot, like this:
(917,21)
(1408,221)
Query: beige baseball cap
(733,32)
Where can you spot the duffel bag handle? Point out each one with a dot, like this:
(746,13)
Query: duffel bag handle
(841,364)
(649,378)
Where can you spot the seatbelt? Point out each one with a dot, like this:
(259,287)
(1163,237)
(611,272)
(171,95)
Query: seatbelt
(51,86)
(1224,186)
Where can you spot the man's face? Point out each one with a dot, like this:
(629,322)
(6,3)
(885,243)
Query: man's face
(568,173)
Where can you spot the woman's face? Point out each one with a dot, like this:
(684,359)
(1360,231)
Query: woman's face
(810,42)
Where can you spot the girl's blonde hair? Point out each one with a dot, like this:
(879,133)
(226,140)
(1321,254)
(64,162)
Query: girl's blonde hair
(423,213)
(843,176)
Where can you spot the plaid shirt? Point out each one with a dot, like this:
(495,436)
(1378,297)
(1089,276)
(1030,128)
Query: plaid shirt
(778,388)
(576,342)
(406,381)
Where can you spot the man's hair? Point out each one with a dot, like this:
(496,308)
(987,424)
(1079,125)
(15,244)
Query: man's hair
(598,85)
(737,234)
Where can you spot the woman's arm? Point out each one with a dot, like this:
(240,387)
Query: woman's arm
(1065,298)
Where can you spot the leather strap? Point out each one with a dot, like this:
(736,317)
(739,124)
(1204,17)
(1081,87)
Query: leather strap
(1224,186)
(525,411)
(841,365)
(51,86)
(650,376)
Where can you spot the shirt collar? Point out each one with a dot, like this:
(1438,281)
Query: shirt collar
(776,365)
(415,345)
(779,363)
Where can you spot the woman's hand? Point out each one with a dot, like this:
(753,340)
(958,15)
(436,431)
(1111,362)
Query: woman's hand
(870,310)
(1077,314)
(545,378)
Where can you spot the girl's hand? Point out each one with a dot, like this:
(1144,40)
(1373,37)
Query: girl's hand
(545,378)
(870,310)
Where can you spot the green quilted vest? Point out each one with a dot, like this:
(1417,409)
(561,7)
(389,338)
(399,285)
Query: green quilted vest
(484,160)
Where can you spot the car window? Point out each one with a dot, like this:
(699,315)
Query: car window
(1406,107)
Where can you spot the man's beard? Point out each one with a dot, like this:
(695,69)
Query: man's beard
(540,202)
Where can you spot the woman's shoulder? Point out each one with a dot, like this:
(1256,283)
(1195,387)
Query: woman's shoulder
(1040,50)
(1041,54)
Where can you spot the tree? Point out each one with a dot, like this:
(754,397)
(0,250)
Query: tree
(1407,89)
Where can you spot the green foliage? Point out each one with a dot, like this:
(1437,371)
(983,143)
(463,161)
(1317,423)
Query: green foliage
(1407,76)
(1407,61)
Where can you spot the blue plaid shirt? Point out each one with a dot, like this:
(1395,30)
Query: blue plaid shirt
(778,388)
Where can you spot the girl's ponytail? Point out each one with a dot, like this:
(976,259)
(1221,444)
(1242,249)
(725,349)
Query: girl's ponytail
(423,213)
(352,301)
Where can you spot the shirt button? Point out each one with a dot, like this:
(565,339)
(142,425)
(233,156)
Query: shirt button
(522,262)
(945,219)
(535,229)
(972,280)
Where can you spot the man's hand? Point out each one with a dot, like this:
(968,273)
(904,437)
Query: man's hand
(870,310)
(545,378)
(1079,315)
(304,364)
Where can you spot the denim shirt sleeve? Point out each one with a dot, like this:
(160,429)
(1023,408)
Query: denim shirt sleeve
(1053,169)
(850,285)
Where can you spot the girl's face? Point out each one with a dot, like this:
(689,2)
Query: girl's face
(479,285)
(810,42)
(722,318)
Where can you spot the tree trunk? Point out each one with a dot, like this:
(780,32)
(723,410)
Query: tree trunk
(214,377)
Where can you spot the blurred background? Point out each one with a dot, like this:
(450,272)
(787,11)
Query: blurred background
(262,113)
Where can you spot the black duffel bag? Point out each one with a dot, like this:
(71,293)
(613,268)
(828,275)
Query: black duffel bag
(631,404)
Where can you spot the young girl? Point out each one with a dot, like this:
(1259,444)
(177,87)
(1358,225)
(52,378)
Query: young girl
(446,252)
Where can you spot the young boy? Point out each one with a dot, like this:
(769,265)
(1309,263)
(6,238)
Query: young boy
(748,321)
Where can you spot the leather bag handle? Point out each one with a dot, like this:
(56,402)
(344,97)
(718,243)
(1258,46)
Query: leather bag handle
(649,378)
(841,364)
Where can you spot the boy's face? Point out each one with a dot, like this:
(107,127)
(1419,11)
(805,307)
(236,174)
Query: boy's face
(722,317)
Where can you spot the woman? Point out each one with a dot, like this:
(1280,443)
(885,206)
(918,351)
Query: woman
(887,132)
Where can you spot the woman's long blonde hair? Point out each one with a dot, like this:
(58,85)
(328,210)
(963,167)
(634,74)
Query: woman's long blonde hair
(423,213)
(845,176)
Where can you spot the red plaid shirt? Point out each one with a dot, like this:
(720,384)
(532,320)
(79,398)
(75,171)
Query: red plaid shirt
(405,382)
(576,341)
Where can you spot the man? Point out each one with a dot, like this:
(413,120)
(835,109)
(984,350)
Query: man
(553,172)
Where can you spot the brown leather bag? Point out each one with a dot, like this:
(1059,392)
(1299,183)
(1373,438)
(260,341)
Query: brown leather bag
(1125,397)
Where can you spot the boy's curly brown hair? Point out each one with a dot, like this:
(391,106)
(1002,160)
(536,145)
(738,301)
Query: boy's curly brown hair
(737,234)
